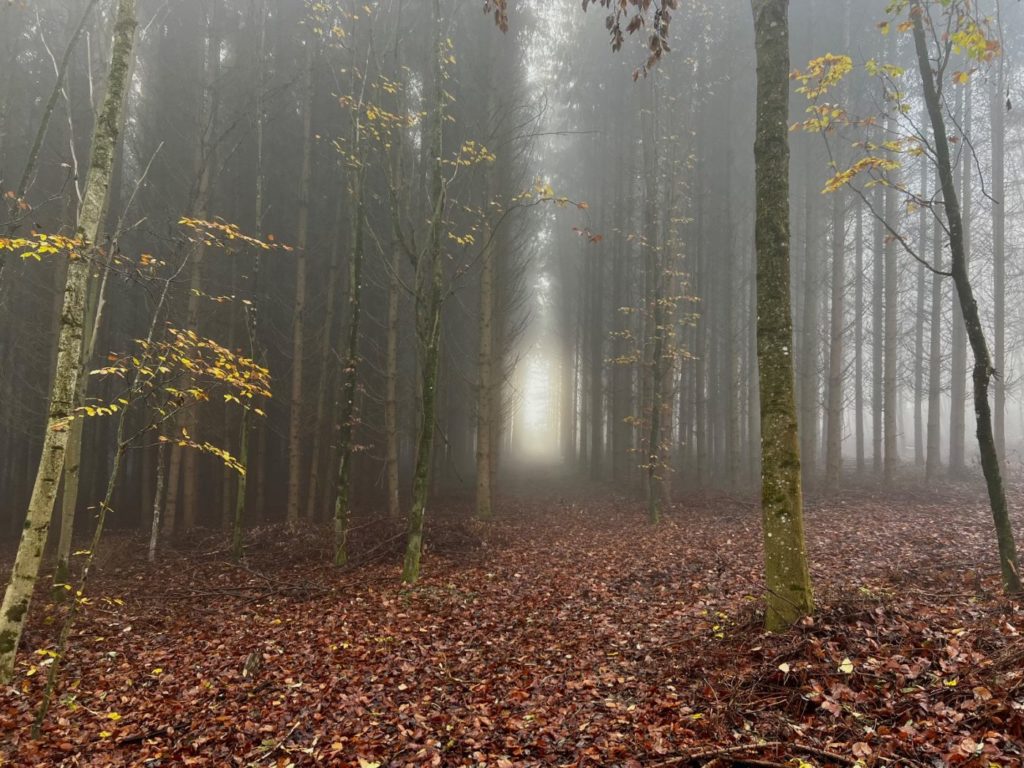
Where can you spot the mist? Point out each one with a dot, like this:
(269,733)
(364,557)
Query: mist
(362,285)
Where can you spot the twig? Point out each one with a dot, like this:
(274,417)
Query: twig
(271,750)
(687,757)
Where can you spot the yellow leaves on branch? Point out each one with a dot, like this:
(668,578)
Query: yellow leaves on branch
(822,74)
(39,244)
(471,153)
(222,234)
(199,368)
(878,165)
(824,117)
(209,448)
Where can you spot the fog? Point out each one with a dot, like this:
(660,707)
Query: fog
(341,192)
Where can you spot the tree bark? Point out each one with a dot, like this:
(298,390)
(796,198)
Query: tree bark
(787,578)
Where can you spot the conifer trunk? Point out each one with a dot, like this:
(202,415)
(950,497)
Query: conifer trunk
(299,307)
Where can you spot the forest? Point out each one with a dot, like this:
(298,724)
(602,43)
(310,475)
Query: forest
(627,383)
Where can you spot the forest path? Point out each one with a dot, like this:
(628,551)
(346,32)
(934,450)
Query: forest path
(568,632)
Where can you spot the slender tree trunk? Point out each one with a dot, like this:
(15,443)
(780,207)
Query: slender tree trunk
(299,307)
(919,355)
(933,460)
(252,313)
(836,363)
(958,356)
(314,495)
(997,116)
(347,414)
(429,287)
(161,473)
(484,386)
(858,341)
(808,360)
(890,374)
(983,371)
(391,394)
(18,594)
(787,578)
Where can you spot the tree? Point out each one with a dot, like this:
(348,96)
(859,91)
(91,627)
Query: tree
(787,577)
(983,370)
(18,594)
(967,37)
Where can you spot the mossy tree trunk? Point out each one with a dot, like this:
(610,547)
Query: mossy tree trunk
(787,578)
(18,594)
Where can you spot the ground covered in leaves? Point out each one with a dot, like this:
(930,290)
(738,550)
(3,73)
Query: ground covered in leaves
(565,633)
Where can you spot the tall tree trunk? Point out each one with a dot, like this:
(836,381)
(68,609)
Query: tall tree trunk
(429,287)
(958,355)
(919,355)
(347,413)
(18,594)
(787,578)
(933,459)
(858,341)
(983,371)
(484,385)
(205,168)
(890,374)
(299,307)
(321,428)
(997,117)
(877,332)
(808,360)
(834,436)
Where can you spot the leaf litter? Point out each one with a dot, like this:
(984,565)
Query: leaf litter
(563,634)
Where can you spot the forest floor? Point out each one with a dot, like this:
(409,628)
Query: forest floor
(564,633)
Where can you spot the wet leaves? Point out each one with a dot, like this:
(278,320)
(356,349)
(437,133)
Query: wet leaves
(561,635)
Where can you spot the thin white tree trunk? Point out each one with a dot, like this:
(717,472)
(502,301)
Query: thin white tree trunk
(18,594)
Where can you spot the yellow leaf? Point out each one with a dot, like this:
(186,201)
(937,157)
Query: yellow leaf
(846,667)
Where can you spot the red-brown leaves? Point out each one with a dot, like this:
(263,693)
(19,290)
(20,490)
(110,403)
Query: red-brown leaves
(561,635)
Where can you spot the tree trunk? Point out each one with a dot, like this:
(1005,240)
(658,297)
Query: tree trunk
(161,473)
(484,386)
(998,126)
(890,374)
(350,375)
(321,428)
(787,578)
(299,308)
(933,459)
(983,371)
(834,436)
(919,356)
(858,341)
(69,349)
(808,360)
(958,355)
(430,273)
